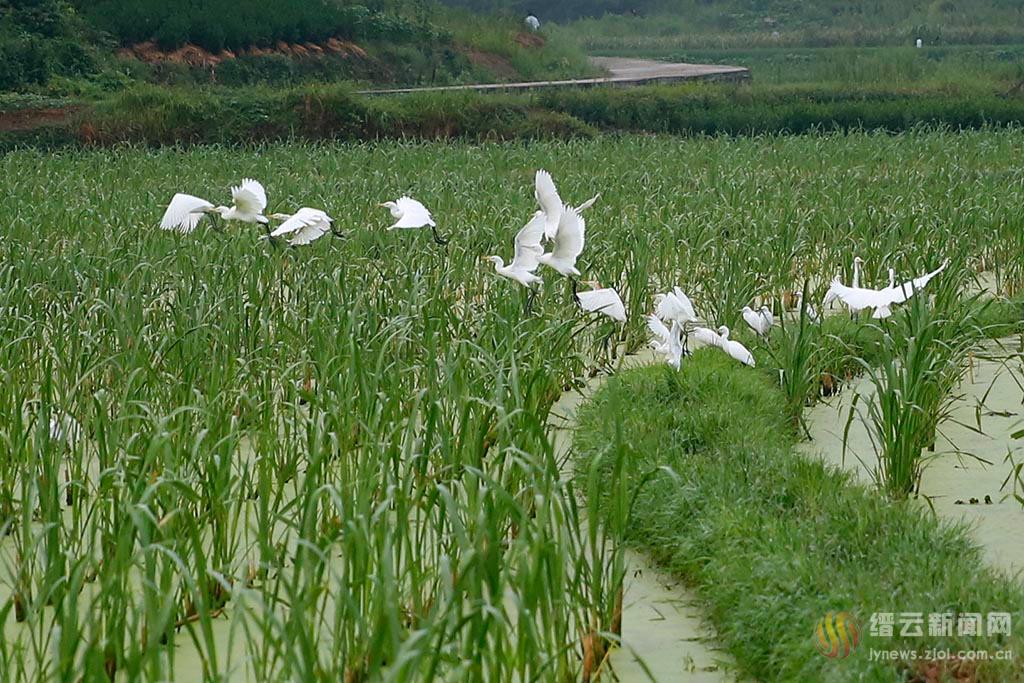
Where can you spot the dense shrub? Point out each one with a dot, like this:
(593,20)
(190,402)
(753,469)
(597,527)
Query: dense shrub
(220,24)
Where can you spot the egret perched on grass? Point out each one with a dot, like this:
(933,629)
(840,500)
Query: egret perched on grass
(304,226)
(605,300)
(551,203)
(666,342)
(567,246)
(882,300)
(185,211)
(734,348)
(410,214)
(758,321)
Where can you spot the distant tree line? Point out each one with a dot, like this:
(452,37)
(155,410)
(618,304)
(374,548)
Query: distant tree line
(38,40)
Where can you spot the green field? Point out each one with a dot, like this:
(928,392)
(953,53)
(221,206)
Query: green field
(333,463)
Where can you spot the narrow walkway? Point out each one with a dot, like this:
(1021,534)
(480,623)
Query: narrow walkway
(620,72)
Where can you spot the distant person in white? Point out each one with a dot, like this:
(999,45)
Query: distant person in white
(533,23)
(920,43)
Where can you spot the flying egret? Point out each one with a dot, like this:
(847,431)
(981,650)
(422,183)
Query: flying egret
(185,211)
(567,247)
(675,306)
(882,300)
(666,342)
(605,300)
(551,203)
(757,321)
(735,349)
(410,214)
(304,226)
(526,258)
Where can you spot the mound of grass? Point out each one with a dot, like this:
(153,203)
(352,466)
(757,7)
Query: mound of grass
(772,540)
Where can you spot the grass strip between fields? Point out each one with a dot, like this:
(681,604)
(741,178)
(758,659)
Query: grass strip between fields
(772,540)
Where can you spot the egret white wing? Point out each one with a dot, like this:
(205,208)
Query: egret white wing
(706,337)
(907,289)
(250,197)
(660,332)
(570,236)
(527,244)
(859,298)
(184,213)
(414,214)
(589,203)
(307,225)
(605,301)
(550,202)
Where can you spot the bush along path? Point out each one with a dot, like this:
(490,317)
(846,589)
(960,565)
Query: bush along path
(772,541)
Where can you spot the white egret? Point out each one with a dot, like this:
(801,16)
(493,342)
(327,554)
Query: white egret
(65,429)
(532,23)
(666,342)
(568,245)
(706,337)
(185,211)
(526,258)
(303,227)
(882,300)
(812,313)
(735,349)
(757,321)
(675,306)
(831,295)
(605,300)
(551,203)
(892,277)
(410,214)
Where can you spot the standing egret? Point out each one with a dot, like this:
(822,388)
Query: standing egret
(532,23)
(185,211)
(551,203)
(831,294)
(410,214)
(757,321)
(605,301)
(735,349)
(65,429)
(568,245)
(304,226)
(812,314)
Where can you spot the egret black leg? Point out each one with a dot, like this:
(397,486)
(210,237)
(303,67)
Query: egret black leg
(528,309)
(337,231)
(437,237)
(575,291)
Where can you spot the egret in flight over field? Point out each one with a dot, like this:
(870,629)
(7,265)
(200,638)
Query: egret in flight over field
(185,211)
(567,246)
(881,300)
(675,306)
(410,214)
(526,258)
(551,203)
(605,300)
(759,321)
(303,227)
(734,348)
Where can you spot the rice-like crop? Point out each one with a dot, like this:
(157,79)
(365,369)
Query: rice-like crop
(334,462)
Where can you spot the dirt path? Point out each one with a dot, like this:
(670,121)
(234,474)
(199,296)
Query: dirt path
(621,71)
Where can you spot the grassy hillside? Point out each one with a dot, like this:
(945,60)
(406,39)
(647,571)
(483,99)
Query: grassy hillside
(90,47)
(825,23)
